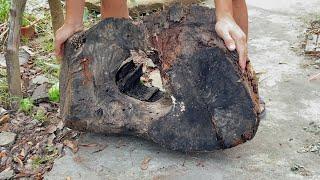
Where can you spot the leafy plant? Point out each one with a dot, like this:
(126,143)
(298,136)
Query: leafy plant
(54,93)
(27,19)
(48,45)
(49,67)
(37,161)
(26,105)
(4,10)
(4,95)
(40,115)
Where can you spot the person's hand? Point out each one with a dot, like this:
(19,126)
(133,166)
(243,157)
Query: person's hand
(234,38)
(62,34)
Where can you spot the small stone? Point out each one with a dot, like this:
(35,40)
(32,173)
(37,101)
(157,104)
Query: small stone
(39,80)
(23,58)
(7,174)
(46,106)
(7,138)
(40,94)
(3,111)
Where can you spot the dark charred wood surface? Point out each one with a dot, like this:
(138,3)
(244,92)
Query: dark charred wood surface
(208,103)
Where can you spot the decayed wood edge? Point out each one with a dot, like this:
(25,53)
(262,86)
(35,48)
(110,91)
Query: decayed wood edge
(145,111)
(12,50)
(147,7)
(247,78)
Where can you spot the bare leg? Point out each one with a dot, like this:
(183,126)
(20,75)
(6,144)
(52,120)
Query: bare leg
(114,8)
(240,14)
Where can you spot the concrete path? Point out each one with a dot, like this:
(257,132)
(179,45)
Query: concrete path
(292,103)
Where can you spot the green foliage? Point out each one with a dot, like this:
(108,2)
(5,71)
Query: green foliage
(4,14)
(4,95)
(37,161)
(4,10)
(48,45)
(27,19)
(26,105)
(48,67)
(51,150)
(40,115)
(54,93)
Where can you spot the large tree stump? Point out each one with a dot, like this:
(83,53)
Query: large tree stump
(208,103)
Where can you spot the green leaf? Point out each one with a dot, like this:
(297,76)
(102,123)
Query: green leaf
(54,93)
(26,105)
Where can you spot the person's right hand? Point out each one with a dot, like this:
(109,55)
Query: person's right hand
(62,34)
(234,38)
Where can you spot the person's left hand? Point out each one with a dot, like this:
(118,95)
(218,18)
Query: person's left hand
(234,38)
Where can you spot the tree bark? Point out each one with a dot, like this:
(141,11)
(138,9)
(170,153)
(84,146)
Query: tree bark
(12,50)
(207,104)
(56,12)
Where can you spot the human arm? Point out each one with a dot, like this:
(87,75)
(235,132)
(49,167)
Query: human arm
(227,28)
(73,23)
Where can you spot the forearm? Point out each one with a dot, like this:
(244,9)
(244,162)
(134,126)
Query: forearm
(240,14)
(114,8)
(224,8)
(74,12)
(235,10)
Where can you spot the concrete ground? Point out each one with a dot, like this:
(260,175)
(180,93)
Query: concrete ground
(292,103)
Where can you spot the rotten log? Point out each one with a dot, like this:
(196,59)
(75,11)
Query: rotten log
(207,104)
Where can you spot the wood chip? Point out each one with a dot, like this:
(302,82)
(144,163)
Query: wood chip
(89,145)
(73,145)
(145,163)
(4,119)
(314,77)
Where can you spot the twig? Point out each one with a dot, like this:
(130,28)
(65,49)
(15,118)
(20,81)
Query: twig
(3,24)
(3,34)
(314,77)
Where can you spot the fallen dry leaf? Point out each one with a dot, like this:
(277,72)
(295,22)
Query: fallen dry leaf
(18,160)
(101,147)
(89,145)
(145,163)
(60,125)
(3,154)
(28,32)
(314,77)
(4,119)
(73,145)
(51,129)
(50,139)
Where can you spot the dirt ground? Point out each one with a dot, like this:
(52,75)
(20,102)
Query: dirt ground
(287,145)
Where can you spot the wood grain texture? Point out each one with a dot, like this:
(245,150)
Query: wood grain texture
(12,49)
(208,103)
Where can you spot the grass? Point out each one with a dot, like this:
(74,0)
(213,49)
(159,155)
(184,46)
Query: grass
(26,105)
(50,153)
(38,161)
(4,10)
(48,67)
(4,95)
(4,14)
(40,115)
(48,45)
